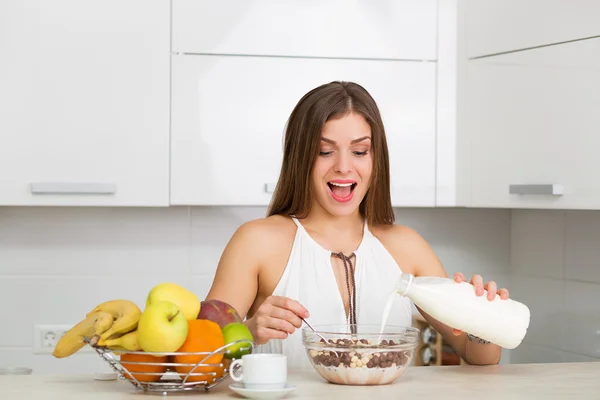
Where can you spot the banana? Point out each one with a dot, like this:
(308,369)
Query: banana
(126,315)
(126,342)
(95,323)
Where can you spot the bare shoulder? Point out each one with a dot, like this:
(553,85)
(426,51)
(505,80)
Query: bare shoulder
(263,235)
(254,251)
(266,228)
(269,224)
(410,250)
(398,237)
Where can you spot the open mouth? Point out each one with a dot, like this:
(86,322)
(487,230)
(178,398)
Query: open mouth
(342,191)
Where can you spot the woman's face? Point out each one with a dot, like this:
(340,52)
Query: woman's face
(342,171)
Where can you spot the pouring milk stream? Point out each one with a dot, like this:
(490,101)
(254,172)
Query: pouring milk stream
(502,322)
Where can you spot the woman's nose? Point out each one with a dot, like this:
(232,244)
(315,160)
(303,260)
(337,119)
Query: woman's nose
(343,164)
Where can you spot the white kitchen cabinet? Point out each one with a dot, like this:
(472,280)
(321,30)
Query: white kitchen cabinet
(229,115)
(389,29)
(497,26)
(534,120)
(85,102)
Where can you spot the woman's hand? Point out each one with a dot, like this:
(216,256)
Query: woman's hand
(477,282)
(276,318)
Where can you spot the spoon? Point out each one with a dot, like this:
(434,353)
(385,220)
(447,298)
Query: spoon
(318,334)
(313,329)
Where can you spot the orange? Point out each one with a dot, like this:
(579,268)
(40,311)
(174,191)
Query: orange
(203,336)
(145,358)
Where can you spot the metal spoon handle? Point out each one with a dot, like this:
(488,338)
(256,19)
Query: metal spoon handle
(318,334)
(313,329)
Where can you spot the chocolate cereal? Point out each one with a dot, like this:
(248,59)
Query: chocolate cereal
(360,354)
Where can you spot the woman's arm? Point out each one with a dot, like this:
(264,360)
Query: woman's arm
(427,264)
(418,258)
(237,278)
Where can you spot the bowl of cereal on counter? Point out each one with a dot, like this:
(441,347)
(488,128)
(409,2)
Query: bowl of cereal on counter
(360,354)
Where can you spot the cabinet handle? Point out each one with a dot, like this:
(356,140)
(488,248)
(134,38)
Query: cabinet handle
(73,188)
(270,187)
(552,189)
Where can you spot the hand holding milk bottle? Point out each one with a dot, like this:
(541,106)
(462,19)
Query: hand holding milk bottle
(502,322)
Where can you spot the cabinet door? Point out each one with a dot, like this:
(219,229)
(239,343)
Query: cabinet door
(534,120)
(229,115)
(398,29)
(496,26)
(85,102)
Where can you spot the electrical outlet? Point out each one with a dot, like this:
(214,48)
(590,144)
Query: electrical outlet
(45,338)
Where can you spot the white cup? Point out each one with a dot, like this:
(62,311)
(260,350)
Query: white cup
(260,371)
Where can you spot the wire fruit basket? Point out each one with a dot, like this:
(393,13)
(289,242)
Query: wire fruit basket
(161,375)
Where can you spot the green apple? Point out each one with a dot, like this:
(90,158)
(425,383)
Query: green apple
(234,332)
(162,327)
(187,301)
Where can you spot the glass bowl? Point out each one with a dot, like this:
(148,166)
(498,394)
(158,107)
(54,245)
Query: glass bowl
(367,357)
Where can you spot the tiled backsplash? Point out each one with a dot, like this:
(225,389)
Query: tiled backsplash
(57,263)
(555,270)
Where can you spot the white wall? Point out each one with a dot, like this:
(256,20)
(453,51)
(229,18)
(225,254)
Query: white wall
(555,265)
(58,263)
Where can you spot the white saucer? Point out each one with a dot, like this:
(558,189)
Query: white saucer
(261,393)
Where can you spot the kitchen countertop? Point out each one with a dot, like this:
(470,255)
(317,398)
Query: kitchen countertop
(510,381)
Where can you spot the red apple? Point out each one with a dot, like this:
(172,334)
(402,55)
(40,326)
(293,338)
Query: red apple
(218,311)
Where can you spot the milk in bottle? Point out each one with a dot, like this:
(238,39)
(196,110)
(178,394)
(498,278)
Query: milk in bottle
(503,322)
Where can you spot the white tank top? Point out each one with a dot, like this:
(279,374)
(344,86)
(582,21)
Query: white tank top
(309,279)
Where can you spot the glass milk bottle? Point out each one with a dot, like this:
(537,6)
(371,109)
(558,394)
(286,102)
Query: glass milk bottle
(502,322)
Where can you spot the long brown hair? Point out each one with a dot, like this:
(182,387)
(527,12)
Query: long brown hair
(293,194)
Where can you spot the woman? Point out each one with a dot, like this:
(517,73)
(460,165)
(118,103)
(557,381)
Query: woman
(329,250)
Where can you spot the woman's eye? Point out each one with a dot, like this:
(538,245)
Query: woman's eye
(356,153)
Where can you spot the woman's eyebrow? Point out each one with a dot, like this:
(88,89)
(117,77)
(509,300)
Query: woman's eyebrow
(360,139)
(353,142)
